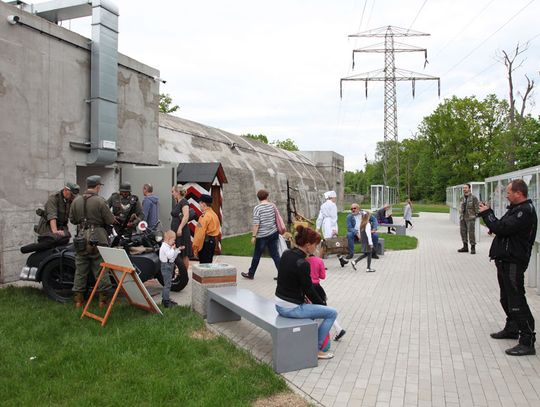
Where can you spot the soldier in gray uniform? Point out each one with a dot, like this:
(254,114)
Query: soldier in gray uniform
(92,216)
(120,201)
(55,215)
(468,210)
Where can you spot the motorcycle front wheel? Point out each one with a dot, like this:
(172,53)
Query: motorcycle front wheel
(180,277)
(57,279)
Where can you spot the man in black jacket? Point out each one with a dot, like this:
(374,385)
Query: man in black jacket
(511,249)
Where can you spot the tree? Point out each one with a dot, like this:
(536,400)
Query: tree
(165,102)
(259,137)
(287,144)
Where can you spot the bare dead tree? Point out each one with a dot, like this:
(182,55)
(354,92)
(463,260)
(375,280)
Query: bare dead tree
(512,63)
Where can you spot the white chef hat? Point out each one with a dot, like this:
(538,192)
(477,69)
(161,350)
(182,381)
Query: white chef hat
(330,194)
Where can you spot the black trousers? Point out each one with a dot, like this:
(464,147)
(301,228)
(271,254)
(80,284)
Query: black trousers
(514,302)
(206,254)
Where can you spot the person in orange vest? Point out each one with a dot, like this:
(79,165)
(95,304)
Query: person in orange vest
(207,231)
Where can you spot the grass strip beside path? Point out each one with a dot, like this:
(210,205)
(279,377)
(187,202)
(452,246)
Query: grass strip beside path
(49,356)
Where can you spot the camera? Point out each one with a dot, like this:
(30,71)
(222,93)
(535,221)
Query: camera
(13,19)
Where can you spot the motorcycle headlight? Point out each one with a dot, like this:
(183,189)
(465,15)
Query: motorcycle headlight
(159,236)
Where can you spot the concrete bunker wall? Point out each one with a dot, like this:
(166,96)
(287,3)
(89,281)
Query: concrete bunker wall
(249,166)
(44,106)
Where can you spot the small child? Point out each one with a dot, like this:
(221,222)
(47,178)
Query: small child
(318,273)
(167,255)
(367,243)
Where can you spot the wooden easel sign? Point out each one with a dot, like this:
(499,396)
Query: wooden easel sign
(118,263)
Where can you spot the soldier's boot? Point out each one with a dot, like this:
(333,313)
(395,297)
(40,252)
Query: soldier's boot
(464,249)
(78,300)
(103,300)
(473,250)
(510,331)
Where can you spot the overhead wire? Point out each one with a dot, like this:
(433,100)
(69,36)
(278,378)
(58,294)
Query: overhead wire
(430,86)
(417,14)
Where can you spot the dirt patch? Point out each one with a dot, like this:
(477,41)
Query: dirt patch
(203,334)
(285,399)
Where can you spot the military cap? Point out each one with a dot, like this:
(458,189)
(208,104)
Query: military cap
(207,199)
(74,188)
(93,181)
(125,187)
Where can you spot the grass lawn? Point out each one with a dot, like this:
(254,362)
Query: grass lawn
(241,245)
(49,356)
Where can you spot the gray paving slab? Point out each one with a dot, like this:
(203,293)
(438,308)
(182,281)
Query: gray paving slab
(417,329)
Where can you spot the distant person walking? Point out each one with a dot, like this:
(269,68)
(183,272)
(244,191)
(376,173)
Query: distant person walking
(264,233)
(511,248)
(468,209)
(407,213)
(327,219)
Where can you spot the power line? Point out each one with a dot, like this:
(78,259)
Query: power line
(489,37)
(417,14)
(467,25)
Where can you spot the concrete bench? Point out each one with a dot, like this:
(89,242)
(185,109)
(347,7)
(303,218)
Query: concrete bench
(294,340)
(400,229)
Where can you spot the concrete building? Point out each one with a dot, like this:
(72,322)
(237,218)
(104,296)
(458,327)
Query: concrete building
(56,104)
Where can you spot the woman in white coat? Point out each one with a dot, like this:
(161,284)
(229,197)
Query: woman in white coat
(328,216)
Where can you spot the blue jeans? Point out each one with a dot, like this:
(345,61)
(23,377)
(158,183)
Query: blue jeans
(312,311)
(166,272)
(271,242)
(351,238)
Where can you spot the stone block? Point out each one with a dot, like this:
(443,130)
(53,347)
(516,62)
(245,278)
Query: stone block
(209,276)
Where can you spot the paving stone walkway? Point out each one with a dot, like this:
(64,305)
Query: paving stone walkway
(417,329)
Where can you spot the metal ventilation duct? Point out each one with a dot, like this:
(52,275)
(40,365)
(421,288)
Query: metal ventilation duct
(103,67)
(104,84)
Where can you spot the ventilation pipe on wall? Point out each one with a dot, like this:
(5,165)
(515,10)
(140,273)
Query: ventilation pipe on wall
(103,70)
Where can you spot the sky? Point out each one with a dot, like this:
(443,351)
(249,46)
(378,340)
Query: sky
(274,67)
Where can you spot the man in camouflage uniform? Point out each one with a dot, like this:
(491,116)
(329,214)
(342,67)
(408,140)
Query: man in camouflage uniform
(468,210)
(55,215)
(120,202)
(92,225)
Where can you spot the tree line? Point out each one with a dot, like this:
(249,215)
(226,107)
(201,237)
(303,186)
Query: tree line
(464,139)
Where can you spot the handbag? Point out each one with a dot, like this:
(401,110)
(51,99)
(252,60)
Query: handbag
(282,245)
(279,221)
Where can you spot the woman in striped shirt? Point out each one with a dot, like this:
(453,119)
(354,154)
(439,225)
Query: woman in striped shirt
(265,233)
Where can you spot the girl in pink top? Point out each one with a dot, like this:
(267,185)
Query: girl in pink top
(318,273)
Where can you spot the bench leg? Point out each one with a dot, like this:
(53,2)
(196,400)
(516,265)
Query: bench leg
(218,313)
(294,348)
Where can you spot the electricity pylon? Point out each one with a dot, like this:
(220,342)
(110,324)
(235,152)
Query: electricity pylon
(390,75)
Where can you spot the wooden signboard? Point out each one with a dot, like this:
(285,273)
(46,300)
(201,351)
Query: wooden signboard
(118,263)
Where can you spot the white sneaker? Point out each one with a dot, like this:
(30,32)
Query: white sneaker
(370,270)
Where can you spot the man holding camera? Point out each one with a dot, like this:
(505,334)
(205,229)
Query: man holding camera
(120,203)
(511,249)
(55,215)
(468,209)
(91,214)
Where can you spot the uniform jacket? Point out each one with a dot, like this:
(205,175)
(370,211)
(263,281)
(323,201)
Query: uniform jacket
(208,225)
(120,208)
(515,233)
(57,208)
(98,215)
(471,208)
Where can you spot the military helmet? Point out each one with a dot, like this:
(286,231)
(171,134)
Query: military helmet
(125,187)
